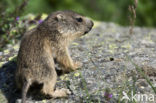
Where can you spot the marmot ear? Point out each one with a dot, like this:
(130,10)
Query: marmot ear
(59,17)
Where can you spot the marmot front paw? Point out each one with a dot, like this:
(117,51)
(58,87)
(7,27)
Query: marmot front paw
(77,64)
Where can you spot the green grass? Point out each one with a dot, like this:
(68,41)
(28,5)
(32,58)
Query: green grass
(142,74)
(87,98)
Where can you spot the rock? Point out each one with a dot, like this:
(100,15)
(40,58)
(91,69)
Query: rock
(108,54)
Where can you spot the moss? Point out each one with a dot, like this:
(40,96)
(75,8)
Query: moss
(2,98)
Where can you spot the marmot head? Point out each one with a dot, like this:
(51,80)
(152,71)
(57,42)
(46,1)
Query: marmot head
(69,23)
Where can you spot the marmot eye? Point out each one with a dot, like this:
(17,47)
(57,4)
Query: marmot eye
(79,19)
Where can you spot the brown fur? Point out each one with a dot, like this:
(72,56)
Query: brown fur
(39,47)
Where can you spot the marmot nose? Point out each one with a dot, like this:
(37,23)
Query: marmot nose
(89,22)
(92,24)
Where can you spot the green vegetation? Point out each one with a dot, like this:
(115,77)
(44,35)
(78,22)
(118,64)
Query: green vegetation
(105,10)
(10,27)
(102,10)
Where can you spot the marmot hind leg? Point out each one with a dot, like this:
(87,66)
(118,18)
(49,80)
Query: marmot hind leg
(48,89)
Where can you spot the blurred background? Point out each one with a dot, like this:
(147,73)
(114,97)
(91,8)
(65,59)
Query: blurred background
(14,14)
(103,10)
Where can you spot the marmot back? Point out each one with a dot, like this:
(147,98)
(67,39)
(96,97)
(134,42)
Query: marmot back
(39,47)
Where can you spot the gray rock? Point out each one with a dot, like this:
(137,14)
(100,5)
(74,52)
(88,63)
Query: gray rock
(104,53)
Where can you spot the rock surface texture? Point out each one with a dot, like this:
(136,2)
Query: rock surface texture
(110,57)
